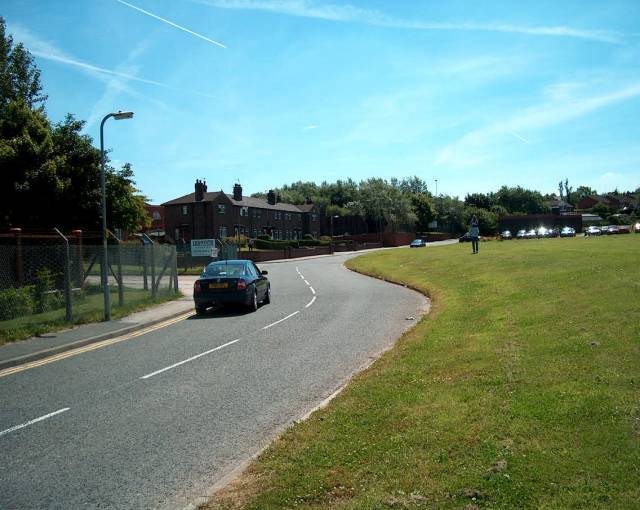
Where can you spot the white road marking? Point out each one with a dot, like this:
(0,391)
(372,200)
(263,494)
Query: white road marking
(190,359)
(312,290)
(307,283)
(282,320)
(302,276)
(31,422)
(310,302)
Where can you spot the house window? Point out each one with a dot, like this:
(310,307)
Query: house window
(176,233)
(256,213)
(156,216)
(314,217)
(277,215)
(222,231)
(244,211)
(299,216)
(185,210)
(254,233)
(287,216)
(222,208)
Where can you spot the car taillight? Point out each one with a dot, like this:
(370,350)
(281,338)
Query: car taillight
(242,284)
(196,286)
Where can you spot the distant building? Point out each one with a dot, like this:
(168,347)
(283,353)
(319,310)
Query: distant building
(208,215)
(156,213)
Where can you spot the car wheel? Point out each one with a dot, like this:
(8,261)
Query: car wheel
(253,305)
(201,309)
(267,296)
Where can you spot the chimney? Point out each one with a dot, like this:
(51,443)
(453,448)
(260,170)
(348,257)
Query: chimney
(271,197)
(204,186)
(200,188)
(237,192)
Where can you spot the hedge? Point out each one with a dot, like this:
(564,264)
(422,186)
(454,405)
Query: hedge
(16,302)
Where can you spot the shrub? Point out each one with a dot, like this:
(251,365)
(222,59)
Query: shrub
(45,297)
(16,302)
(308,237)
(264,237)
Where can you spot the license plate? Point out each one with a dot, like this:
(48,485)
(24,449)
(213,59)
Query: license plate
(218,285)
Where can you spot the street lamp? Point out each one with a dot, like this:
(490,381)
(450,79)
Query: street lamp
(436,186)
(104,275)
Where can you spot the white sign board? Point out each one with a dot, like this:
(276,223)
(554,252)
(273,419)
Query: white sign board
(203,248)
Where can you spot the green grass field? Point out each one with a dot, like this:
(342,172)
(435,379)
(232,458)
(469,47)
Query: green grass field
(521,389)
(88,309)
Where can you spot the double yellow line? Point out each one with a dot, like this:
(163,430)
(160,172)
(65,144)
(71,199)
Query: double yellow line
(93,347)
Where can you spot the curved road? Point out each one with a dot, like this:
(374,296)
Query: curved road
(156,420)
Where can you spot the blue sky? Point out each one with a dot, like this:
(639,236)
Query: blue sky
(267,92)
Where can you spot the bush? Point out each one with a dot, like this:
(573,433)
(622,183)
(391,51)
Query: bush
(264,237)
(16,302)
(240,241)
(308,237)
(45,297)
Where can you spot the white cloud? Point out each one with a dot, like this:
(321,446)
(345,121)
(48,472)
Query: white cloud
(49,51)
(475,146)
(310,127)
(349,13)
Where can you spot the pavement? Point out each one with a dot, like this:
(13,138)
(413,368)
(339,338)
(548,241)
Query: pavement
(158,417)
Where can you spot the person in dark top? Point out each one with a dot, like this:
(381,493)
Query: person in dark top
(474,233)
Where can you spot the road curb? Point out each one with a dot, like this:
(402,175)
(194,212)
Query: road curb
(45,353)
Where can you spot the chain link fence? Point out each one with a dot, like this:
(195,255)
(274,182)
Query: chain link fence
(58,281)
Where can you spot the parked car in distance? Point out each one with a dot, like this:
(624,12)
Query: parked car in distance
(592,230)
(624,229)
(553,232)
(531,234)
(613,229)
(417,243)
(231,281)
(522,234)
(636,227)
(568,232)
(542,232)
(604,230)
(506,235)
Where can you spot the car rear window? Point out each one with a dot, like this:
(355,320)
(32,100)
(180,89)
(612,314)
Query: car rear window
(225,270)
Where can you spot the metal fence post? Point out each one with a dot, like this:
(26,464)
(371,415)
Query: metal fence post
(67,279)
(175,269)
(153,271)
(144,268)
(120,283)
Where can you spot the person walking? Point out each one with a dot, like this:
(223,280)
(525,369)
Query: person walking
(474,233)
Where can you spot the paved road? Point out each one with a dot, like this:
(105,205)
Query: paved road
(154,421)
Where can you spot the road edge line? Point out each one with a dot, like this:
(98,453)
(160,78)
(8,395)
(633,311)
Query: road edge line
(45,353)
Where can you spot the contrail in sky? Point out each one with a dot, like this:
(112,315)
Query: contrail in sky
(171,23)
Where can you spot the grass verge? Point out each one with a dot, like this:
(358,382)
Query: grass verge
(521,389)
(89,309)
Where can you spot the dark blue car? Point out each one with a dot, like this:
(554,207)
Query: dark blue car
(231,281)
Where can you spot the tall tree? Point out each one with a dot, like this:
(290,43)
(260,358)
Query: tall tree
(19,76)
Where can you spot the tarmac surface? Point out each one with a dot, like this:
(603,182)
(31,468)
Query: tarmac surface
(155,418)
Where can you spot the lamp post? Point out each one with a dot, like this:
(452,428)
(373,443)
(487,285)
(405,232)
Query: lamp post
(436,186)
(104,275)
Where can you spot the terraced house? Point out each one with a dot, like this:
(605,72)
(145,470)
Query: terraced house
(207,215)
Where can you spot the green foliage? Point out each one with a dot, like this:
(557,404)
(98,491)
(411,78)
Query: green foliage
(16,303)
(481,200)
(487,220)
(45,297)
(19,76)
(51,174)
(521,200)
(423,209)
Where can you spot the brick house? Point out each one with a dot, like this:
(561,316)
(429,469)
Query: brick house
(208,215)
(156,213)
